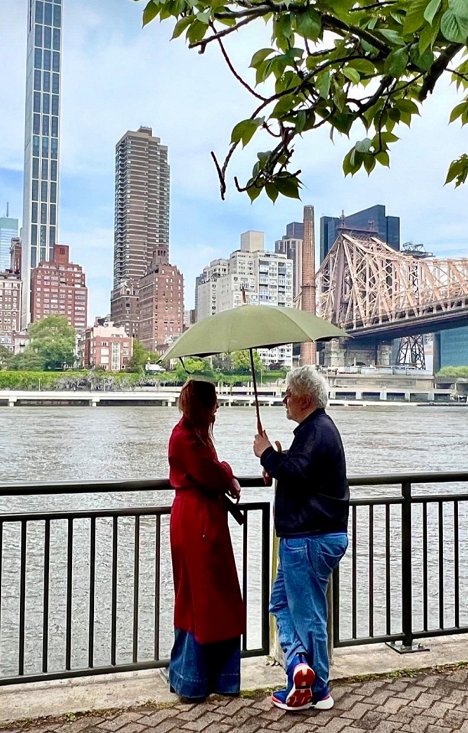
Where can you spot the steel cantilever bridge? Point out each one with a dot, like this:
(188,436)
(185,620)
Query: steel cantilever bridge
(369,289)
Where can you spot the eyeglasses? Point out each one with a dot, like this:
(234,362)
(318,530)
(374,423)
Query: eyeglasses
(287,395)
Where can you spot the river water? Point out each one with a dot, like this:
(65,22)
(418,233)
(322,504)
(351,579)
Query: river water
(105,443)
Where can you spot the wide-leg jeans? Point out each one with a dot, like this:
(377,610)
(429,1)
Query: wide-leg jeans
(299,599)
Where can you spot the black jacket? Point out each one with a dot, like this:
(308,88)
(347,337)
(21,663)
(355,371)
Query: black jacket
(312,494)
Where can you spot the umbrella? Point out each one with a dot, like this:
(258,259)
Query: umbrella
(250,327)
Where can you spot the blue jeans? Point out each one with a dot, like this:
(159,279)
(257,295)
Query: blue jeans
(299,599)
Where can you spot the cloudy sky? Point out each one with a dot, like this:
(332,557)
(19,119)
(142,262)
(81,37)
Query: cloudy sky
(118,76)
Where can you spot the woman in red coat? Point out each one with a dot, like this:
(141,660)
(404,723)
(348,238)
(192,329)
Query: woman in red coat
(209,614)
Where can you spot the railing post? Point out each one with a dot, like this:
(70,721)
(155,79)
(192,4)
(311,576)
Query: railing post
(406,567)
(407,644)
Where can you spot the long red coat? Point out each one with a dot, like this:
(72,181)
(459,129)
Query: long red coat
(208,600)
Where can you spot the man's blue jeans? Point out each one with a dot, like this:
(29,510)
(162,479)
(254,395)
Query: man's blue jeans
(299,599)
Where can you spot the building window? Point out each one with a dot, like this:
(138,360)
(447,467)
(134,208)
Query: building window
(45,168)
(46,81)
(43,190)
(53,193)
(56,39)
(56,61)
(54,129)
(52,236)
(57,16)
(35,190)
(53,170)
(48,13)
(45,125)
(46,104)
(39,11)
(37,58)
(55,104)
(47,59)
(43,214)
(54,148)
(36,124)
(35,167)
(55,83)
(37,80)
(48,37)
(34,213)
(45,146)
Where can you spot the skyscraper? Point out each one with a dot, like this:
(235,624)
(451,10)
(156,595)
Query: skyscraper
(8,231)
(41,141)
(372,220)
(141,225)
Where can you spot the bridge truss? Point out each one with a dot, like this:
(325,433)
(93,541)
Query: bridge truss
(365,286)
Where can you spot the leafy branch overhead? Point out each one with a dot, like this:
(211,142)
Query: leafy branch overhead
(340,64)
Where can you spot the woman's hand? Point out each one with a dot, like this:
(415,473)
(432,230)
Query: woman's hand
(235,490)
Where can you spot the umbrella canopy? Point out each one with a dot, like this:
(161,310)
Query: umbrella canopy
(249,327)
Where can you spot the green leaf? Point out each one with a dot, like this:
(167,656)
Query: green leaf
(196,31)
(181,25)
(458,110)
(272,191)
(396,62)
(406,105)
(427,37)
(414,16)
(364,67)
(453,27)
(458,170)
(369,163)
(288,186)
(383,158)
(150,12)
(351,74)
(393,36)
(204,17)
(309,24)
(459,8)
(431,10)
(245,129)
(260,56)
(323,83)
(253,192)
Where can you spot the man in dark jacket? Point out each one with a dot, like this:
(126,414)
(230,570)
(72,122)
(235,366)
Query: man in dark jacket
(311,516)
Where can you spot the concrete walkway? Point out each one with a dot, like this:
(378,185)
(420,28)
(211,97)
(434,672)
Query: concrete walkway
(402,697)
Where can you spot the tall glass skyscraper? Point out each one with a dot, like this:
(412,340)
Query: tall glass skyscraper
(41,142)
(8,230)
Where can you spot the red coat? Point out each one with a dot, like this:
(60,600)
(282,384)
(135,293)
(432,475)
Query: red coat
(208,601)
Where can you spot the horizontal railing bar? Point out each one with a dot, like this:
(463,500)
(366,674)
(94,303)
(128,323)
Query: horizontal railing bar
(446,631)
(91,487)
(413,478)
(437,498)
(107,513)
(362,640)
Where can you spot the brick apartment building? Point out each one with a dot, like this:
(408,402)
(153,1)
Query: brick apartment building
(161,306)
(58,287)
(106,346)
(10,302)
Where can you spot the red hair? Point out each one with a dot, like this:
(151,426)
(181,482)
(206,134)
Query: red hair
(197,403)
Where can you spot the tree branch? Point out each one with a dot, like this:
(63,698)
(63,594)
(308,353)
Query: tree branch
(437,69)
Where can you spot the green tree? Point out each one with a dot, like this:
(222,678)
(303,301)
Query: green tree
(141,357)
(28,361)
(193,365)
(53,340)
(342,64)
(6,357)
(241,362)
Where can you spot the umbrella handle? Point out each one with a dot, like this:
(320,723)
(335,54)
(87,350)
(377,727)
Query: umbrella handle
(254,381)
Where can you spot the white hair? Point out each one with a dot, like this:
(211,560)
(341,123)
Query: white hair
(306,381)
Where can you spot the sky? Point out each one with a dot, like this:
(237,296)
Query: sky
(117,76)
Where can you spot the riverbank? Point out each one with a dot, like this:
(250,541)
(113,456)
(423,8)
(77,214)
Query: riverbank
(227,397)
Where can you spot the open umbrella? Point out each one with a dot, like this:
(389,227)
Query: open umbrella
(250,327)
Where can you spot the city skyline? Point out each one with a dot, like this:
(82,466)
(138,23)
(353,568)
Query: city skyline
(135,86)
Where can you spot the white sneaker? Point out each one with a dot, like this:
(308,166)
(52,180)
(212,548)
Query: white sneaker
(326,703)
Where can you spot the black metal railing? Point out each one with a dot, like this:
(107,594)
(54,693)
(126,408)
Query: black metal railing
(405,575)
(89,591)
